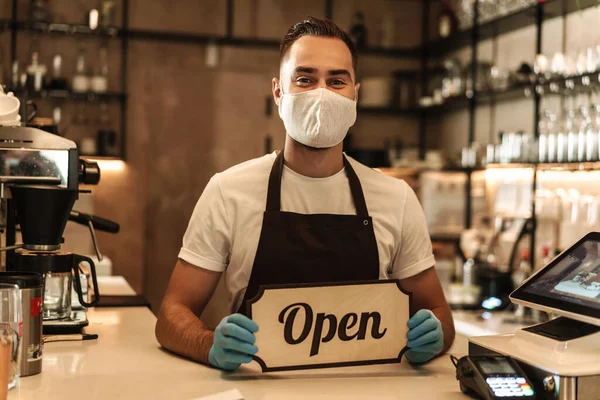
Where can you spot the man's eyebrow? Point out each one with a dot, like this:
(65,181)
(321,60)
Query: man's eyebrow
(335,72)
(307,70)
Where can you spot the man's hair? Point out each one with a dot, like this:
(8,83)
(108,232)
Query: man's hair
(316,27)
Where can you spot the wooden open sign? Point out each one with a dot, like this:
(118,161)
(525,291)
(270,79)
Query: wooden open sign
(330,324)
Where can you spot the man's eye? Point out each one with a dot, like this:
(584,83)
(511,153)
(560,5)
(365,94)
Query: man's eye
(337,82)
(303,80)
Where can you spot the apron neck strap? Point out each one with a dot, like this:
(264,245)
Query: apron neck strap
(274,190)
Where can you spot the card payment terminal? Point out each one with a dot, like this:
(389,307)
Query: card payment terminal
(492,377)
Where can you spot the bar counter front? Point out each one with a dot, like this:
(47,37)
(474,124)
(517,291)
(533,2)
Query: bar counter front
(126,362)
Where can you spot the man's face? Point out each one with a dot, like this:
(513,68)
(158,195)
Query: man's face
(314,62)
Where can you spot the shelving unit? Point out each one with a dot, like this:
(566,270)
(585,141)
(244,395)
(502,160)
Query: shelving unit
(125,34)
(14,26)
(511,22)
(532,16)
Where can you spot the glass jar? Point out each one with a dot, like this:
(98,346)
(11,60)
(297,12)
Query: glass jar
(57,295)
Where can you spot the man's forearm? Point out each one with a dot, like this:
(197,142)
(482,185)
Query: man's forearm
(179,330)
(444,314)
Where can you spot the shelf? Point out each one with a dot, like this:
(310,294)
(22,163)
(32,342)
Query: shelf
(509,166)
(483,98)
(517,91)
(389,111)
(68,94)
(100,158)
(464,170)
(182,37)
(66,29)
(450,104)
(560,83)
(409,52)
(516,20)
(583,166)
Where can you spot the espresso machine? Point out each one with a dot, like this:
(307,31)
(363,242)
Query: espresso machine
(40,174)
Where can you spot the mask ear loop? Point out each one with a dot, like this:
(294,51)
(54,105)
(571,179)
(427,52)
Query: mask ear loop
(280,94)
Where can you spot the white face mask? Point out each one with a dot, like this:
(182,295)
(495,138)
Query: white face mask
(317,118)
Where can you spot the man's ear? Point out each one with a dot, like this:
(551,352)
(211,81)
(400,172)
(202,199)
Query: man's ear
(276,88)
(356,87)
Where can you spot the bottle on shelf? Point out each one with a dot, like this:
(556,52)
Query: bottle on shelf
(543,137)
(107,14)
(81,79)
(106,140)
(591,137)
(36,72)
(15,75)
(387,31)
(99,82)
(571,129)
(447,21)
(546,257)
(552,137)
(582,121)
(596,126)
(358,31)
(39,11)
(562,138)
(57,81)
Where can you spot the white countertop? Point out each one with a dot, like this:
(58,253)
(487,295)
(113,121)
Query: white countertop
(115,286)
(471,323)
(127,363)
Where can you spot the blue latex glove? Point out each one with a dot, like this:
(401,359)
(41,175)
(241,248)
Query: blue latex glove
(234,342)
(425,337)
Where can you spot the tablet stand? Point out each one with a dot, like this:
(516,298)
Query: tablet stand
(563,329)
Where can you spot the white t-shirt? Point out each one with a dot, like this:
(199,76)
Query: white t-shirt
(225,226)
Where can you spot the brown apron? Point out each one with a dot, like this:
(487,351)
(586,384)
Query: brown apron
(312,248)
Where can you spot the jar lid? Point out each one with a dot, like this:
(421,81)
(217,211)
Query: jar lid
(24,280)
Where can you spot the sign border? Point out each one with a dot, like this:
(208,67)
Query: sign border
(261,291)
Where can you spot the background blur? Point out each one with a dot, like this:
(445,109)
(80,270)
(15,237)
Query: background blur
(189,95)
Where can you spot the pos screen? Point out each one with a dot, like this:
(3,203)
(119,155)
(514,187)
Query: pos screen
(492,366)
(570,283)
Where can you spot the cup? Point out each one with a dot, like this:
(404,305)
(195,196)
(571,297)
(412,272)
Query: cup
(11,331)
(9,108)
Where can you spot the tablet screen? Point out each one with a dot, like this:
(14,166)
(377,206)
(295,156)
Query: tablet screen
(571,282)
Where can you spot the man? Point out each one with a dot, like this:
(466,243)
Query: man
(308,214)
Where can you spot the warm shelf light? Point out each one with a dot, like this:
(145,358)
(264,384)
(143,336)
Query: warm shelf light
(110,165)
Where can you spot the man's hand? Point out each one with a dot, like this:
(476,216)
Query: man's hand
(234,342)
(425,337)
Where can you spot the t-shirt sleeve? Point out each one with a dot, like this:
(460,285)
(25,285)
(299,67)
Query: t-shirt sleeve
(414,253)
(207,241)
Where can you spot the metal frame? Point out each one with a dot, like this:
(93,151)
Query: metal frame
(540,12)
(16,26)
